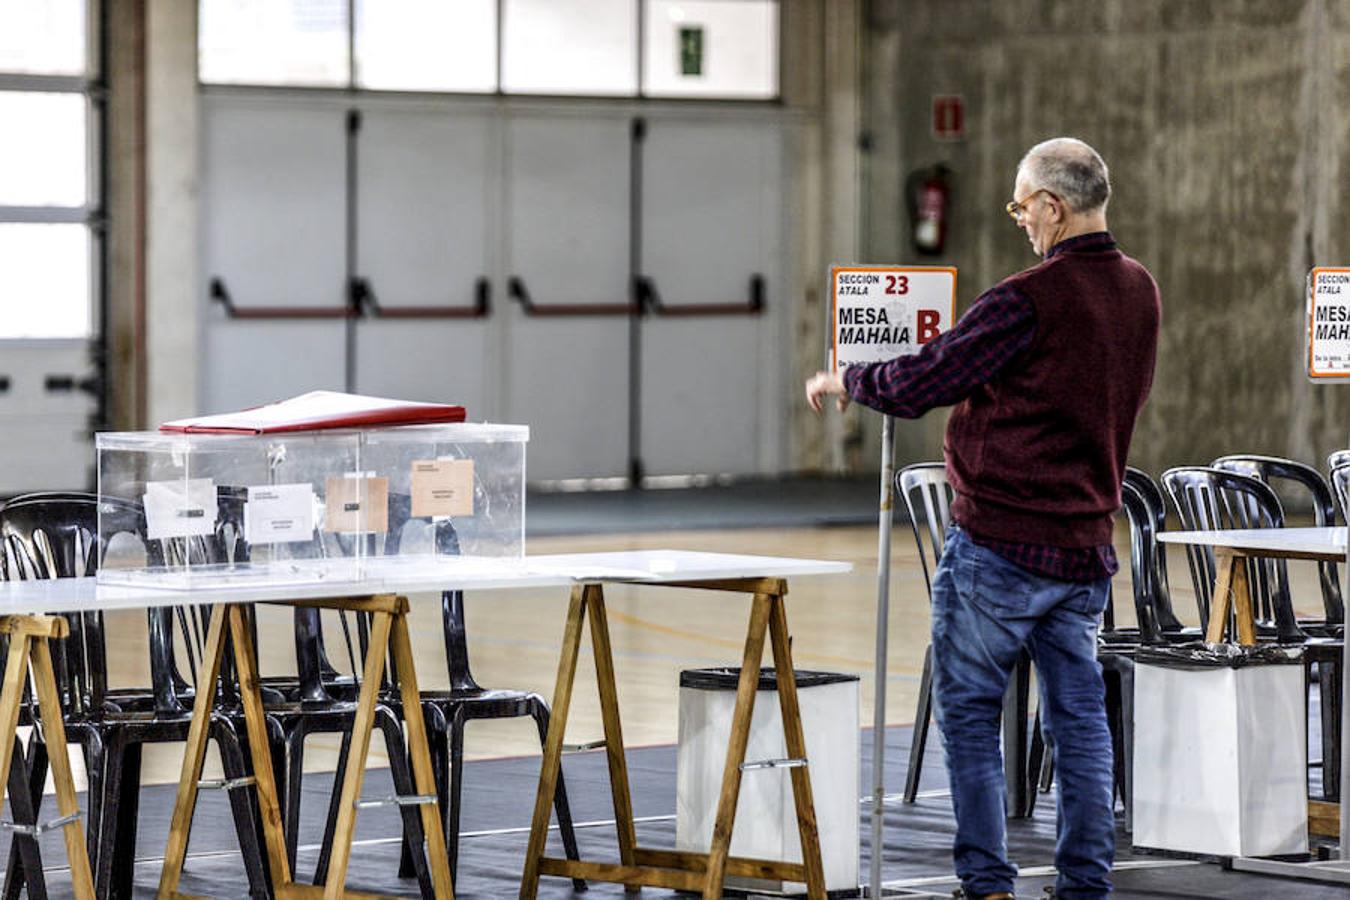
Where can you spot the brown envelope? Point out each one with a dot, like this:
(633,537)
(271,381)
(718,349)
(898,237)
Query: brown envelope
(356,504)
(442,487)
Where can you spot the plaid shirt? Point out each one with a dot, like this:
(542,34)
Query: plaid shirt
(948,369)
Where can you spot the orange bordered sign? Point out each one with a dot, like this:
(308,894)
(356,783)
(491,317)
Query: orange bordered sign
(881,312)
(1329,324)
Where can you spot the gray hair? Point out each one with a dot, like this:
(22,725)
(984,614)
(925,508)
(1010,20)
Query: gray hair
(1069,169)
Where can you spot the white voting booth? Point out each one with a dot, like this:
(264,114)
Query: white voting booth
(878,313)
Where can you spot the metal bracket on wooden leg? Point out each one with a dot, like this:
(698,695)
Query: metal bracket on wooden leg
(773,764)
(226,784)
(43,827)
(583,748)
(398,800)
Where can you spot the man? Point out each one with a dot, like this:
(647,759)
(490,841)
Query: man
(1048,371)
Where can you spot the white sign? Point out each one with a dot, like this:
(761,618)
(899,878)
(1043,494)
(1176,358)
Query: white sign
(881,312)
(1328,323)
(278,513)
(183,508)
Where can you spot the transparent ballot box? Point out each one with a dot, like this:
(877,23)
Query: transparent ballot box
(185,510)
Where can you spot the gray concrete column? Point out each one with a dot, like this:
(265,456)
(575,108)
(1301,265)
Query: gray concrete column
(173,296)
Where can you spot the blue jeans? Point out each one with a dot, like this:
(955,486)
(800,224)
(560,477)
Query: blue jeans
(985,610)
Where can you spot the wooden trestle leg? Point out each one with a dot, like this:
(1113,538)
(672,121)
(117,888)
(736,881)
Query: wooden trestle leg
(28,636)
(702,873)
(389,626)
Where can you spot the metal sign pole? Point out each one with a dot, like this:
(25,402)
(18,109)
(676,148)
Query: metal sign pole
(883,632)
(1345,727)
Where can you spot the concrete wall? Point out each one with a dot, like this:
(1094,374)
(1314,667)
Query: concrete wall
(1226,125)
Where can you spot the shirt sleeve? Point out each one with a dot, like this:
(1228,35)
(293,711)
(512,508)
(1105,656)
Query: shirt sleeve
(1000,324)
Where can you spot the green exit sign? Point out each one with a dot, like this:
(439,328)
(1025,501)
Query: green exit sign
(691,50)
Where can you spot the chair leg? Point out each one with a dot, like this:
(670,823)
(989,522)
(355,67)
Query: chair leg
(539,712)
(25,857)
(105,846)
(400,769)
(117,861)
(1015,739)
(437,728)
(1329,690)
(95,756)
(334,801)
(1036,757)
(243,808)
(1047,768)
(1127,741)
(295,779)
(456,780)
(923,714)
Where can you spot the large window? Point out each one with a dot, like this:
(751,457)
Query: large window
(46,194)
(720,49)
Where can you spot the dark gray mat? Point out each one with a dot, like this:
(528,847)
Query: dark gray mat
(498,802)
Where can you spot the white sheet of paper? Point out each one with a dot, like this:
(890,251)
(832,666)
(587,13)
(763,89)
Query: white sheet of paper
(180,508)
(279,513)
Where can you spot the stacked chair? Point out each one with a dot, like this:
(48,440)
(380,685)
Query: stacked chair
(1237,492)
(55,535)
(927,497)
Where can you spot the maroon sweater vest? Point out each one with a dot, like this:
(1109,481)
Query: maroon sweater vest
(1036,456)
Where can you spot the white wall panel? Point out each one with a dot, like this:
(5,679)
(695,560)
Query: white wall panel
(428,182)
(274,229)
(712,386)
(566,234)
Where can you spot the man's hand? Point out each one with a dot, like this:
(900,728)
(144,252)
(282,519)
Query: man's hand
(822,384)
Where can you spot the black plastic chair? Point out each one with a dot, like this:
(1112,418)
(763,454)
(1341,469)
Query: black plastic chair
(1340,484)
(1155,508)
(56,536)
(1336,459)
(1275,471)
(928,497)
(1216,499)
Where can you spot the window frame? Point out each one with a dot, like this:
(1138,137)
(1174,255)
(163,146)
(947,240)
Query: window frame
(638,62)
(92,86)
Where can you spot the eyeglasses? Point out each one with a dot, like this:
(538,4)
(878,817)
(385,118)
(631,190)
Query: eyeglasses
(1015,208)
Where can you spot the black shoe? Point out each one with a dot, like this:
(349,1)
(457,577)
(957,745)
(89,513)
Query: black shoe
(960,894)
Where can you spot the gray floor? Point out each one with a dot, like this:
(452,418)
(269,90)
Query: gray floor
(497,806)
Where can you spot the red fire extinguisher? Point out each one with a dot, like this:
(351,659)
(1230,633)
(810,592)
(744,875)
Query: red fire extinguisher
(928,191)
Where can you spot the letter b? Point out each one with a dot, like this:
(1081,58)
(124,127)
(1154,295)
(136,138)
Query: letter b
(926,327)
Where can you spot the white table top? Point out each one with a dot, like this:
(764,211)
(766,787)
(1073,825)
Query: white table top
(637,566)
(1313,543)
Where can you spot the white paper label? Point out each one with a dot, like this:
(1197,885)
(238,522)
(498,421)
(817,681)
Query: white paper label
(180,508)
(279,513)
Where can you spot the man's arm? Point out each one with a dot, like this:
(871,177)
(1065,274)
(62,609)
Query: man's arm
(1000,324)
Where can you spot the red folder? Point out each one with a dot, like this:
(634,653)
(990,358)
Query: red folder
(319,410)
